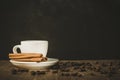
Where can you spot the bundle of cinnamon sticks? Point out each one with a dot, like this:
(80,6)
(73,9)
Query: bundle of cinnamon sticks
(27,57)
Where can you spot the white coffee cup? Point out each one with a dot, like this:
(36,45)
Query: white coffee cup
(32,46)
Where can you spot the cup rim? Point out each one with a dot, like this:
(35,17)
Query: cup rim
(25,41)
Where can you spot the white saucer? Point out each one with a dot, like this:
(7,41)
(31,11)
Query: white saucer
(35,65)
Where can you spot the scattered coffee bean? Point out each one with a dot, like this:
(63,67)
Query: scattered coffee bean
(96,62)
(55,67)
(103,72)
(40,72)
(22,70)
(62,74)
(76,67)
(104,65)
(88,64)
(76,64)
(68,64)
(110,74)
(54,71)
(65,74)
(65,70)
(33,73)
(74,74)
(92,74)
(62,67)
(119,70)
(79,74)
(111,63)
(97,69)
(82,69)
(14,71)
(119,63)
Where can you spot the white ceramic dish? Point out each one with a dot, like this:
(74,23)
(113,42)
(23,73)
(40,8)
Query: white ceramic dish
(35,65)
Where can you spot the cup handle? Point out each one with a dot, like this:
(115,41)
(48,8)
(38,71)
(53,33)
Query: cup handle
(15,48)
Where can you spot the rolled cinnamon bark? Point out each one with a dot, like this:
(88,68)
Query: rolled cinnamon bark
(25,55)
(29,60)
(32,59)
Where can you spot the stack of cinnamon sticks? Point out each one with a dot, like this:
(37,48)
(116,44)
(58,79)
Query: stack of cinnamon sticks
(27,57)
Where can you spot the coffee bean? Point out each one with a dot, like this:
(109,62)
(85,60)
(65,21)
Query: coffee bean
(54,71)
(33,73)
(104,65)
(55,67)
(26,70)
(22,70)
(65,70)
(74,74)
(103,72)
(76,67)
(40,72)
(119,63)
(110,74)
(96,62)
(62,67)
(92,74)
(119,70)
(97,69)
(76,64)
(111,63)
(82,70)
(79,74)
(65,74)
(14,71)
(88,64)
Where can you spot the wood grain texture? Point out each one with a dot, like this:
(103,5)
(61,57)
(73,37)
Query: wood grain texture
(61,72)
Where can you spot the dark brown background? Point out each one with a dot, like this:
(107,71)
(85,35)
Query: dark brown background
(75,29)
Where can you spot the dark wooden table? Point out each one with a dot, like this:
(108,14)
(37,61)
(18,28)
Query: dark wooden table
(65,70)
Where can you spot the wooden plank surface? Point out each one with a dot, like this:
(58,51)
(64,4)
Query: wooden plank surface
(65,70)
